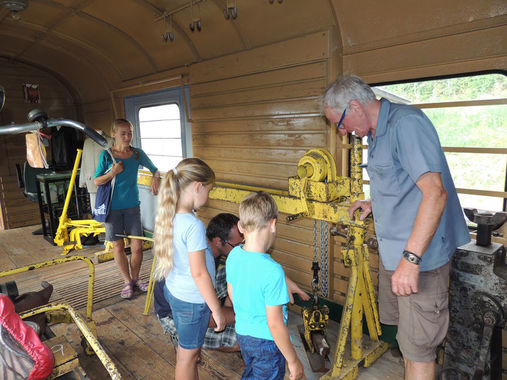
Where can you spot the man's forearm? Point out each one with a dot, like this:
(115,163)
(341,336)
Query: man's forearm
(429,213)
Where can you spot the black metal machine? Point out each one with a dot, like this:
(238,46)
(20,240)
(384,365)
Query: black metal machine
(477,304)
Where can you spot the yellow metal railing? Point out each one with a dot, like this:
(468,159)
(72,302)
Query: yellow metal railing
(85,331)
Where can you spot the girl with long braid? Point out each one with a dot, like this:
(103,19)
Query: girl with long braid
(185,260)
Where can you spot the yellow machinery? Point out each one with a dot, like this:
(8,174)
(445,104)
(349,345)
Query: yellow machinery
(83,326)
(63,313)
(317,192)
(69,231)
(72,240)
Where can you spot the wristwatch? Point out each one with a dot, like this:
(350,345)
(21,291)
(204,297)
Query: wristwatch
(411,257)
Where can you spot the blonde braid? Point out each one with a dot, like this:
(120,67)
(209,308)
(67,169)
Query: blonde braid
(186,172)
(168,198)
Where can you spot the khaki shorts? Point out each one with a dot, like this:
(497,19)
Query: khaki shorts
(422,318)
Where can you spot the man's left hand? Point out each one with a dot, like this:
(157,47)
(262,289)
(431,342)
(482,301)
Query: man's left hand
(405,278)
(293,288)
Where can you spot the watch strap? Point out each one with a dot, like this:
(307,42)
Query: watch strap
(411,257)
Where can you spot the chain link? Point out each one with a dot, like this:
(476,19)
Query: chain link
(322,247)
(325,274)
(315,240)
(324,244)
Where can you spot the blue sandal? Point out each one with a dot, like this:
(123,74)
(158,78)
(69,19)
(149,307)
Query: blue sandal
(141,285)
(127,291)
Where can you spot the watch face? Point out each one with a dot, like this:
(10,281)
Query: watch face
(411,258)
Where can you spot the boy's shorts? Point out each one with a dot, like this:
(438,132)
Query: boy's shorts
(263,359)
(191,320)
(123,222)
(422,318)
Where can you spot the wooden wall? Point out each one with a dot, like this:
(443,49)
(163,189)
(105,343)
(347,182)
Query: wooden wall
(254,115)
(58,101)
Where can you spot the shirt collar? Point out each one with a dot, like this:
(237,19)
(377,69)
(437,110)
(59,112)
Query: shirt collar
(383,117)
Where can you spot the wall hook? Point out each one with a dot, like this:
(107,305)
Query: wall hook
(231,9)
(196,20)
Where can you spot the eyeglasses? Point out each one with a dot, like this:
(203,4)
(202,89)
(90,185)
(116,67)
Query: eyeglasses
(235,245)
(339,124)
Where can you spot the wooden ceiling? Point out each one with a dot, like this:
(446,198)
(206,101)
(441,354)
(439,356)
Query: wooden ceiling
(100,45)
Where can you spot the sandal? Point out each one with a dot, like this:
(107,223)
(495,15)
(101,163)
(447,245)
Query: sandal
(141,285)
(127,291)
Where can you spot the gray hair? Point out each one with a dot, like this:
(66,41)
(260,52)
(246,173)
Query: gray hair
(349,87)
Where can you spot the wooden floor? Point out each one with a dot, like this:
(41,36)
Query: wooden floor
(135,342)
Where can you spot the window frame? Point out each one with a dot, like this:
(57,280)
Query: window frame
(462,103)
(134,103)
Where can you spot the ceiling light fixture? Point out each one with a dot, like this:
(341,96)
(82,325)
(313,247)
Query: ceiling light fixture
(15,6)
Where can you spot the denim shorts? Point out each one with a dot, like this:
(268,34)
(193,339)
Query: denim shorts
(124,222)
(191,320)
(263,359)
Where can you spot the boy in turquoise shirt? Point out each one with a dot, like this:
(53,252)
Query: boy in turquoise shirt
(257,288)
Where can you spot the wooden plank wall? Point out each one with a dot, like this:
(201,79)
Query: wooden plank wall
(254,114)
(58,101)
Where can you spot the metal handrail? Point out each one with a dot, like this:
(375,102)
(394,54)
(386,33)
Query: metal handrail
(43,264)
(85,330)
(39,124)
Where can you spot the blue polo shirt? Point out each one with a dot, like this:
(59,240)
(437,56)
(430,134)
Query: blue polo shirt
(405,146)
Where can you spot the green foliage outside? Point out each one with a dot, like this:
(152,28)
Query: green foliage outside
(475,126)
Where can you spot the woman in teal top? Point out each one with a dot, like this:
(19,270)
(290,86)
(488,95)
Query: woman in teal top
(124,216)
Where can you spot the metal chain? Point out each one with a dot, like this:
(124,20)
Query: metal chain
(324,244)
(315,240)
(326,259)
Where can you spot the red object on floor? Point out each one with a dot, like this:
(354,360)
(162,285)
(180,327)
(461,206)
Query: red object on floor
(28,339)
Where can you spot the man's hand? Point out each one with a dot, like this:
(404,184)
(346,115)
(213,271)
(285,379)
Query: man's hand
(295,289)
(365,206)
(405,278)
(295,369)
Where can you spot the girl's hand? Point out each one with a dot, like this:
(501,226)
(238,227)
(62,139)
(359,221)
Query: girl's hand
(219,318)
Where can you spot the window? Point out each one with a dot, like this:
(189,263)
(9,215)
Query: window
(160,125)
(470,116)
(160,132)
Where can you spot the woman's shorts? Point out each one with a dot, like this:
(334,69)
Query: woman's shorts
(191,320)
(126,221)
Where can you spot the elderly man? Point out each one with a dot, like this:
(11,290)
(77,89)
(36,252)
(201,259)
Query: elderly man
(223,235)
(417,215)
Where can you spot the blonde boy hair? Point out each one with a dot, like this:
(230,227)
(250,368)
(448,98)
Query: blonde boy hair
(256,210)
(188,171)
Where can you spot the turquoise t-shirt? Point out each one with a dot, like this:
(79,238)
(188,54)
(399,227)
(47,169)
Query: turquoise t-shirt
(189,235)
(257,281)
(126,192)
